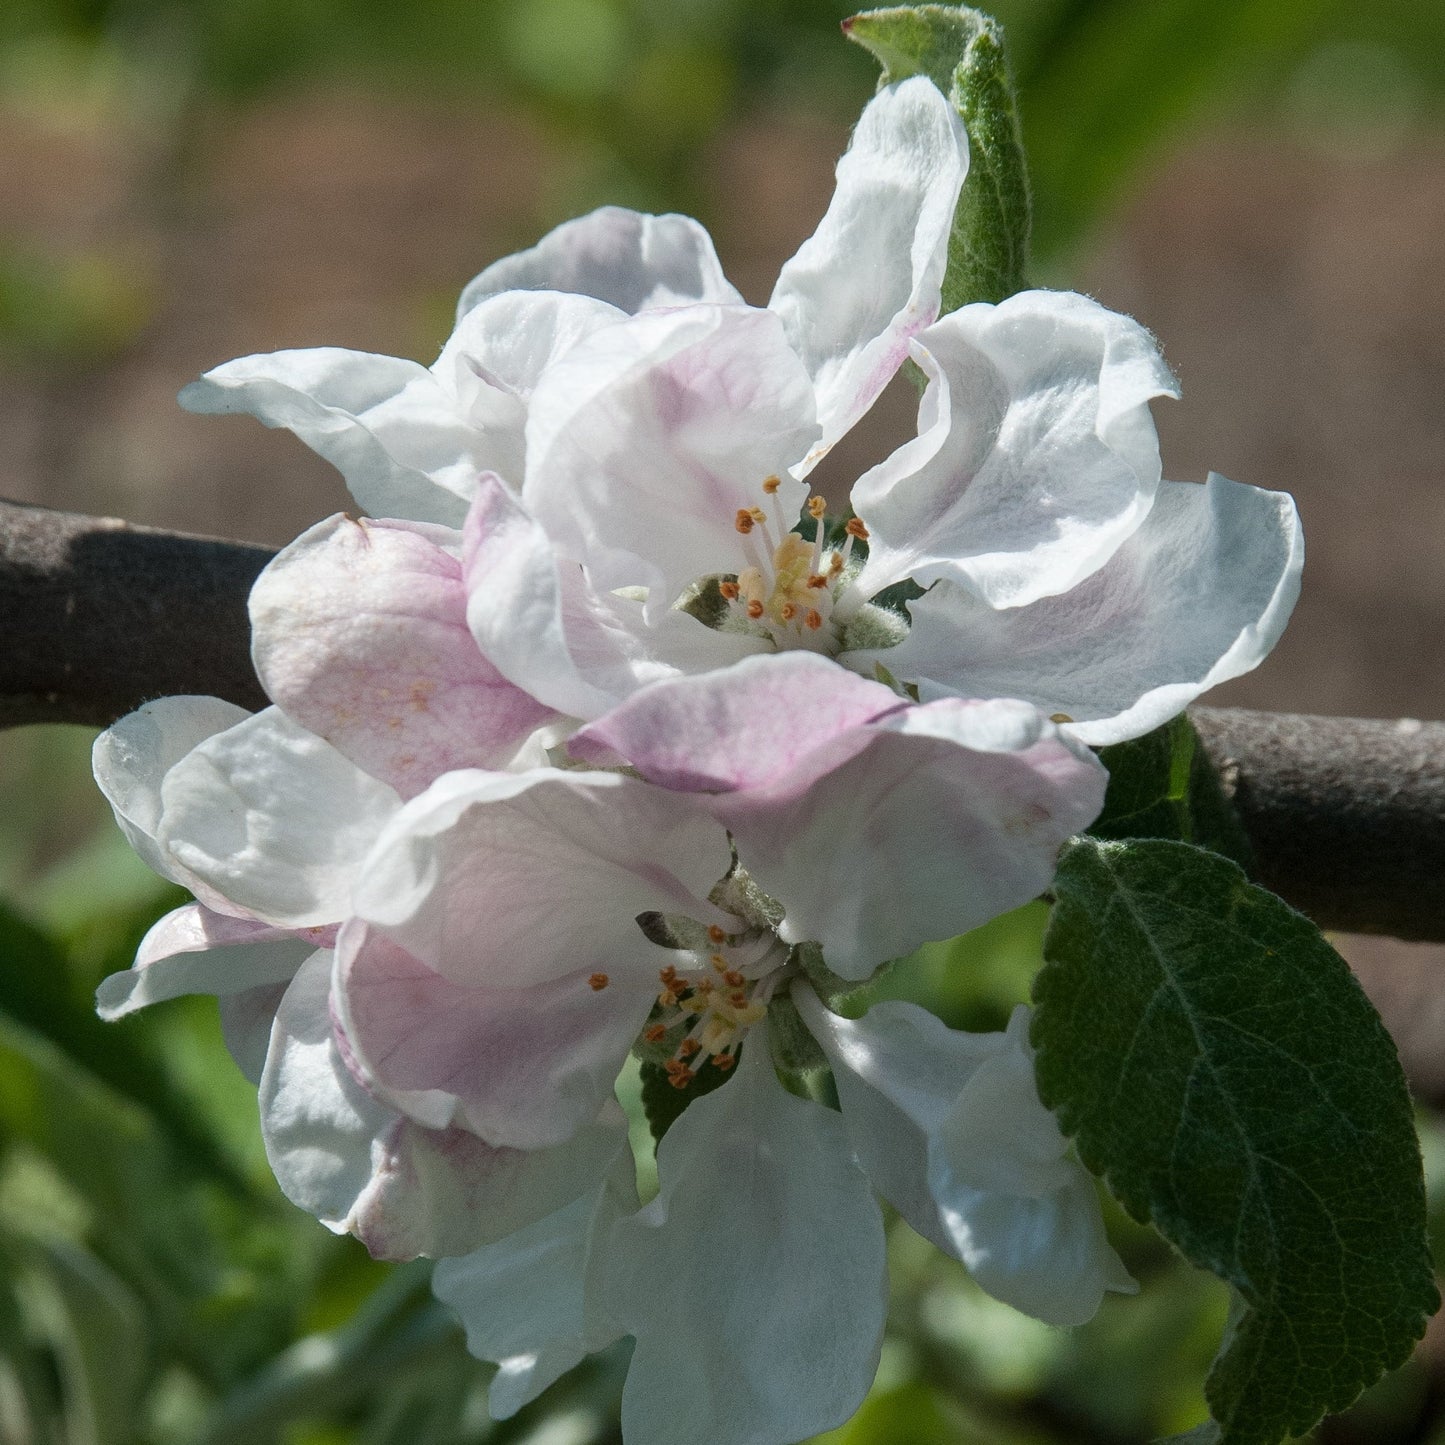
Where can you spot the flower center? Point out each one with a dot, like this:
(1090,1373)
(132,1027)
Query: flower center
(704,1013)
(795,592)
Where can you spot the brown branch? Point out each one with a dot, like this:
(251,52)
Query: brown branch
(1347,815)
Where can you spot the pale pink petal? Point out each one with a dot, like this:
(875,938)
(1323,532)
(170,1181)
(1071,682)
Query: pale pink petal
(359,633)
(1036,455)
(868,279)
(749,726)
(539,620)
(195,950)
(646,439)
(504,880)
(345,1155)
(528,1067)
(630,260)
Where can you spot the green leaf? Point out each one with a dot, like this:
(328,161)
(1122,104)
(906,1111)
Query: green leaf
(962,51)
(1163,785)
(1217,1063)
(663,1103)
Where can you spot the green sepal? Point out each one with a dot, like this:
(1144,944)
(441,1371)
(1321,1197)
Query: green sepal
(662,1103)
(1217,1063)
(962,51)
(1163,785)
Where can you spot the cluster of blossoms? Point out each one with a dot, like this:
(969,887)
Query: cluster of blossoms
(601,737)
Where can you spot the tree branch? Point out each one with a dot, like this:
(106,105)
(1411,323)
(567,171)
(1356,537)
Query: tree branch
(1347,815)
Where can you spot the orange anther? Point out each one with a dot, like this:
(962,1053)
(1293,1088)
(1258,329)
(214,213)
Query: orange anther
(654,1033)
(723,1061)
(855,528)
(681,1079)
(835,563)
(817,580)
(688,1047)
(744,521)
(814,619)
(771,484)
(755,609)
(733,978)
(715,933)
(668,975)
(730,590)
(788,611)
(599,981)
(817,508)
(738,1000)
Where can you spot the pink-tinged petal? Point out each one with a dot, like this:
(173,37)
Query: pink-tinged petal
(946,816)
(750,726)
(359,633)
(868,279)
(630,260)
(345,1155)
(1036,455)
(755,1283)
(505,880)
(195,950)
(949,1128)
(387,425)
(527,1067)
(530,1302)
(645,441)
(246,1021)
(538,619)
(273,818)
(131,758)
(1199,594)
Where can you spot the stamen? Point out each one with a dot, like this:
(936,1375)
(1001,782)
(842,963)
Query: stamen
(733,978)
(655,1033)
(723,1061)
(771,484)
(836,563)
(679,1077)
(719,963)
(599,981)
(814,619)
(688,1047)
(744,521)
(817,508)
(1060,717)
(730,590)
(855,528)
(715,933)
(788,611)
(817,580)
(755,609)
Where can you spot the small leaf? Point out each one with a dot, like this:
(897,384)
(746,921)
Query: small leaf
(962,51)
(1218,1064)
(663,1103)
(1163,785)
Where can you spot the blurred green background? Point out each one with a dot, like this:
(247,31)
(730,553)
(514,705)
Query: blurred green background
(179,183)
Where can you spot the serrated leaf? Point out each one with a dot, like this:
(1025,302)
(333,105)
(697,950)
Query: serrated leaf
(1163,785)
(962,51)
(1217,1063)
(663,1103)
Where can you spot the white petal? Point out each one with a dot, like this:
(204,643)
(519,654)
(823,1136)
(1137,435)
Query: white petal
(1199,594)
(132,757)
(193,950)
(868,279)
(247,1018)
(363,1168)
(755,1281)
(630,260)
(949,1128)
(919,826)
(542,625)
(502,880)
(527,1302)
(392,431)
(645,441)
(273,818)
(1036,455)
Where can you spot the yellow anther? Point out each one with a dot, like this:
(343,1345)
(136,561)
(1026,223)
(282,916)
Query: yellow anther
(719,962)
(817,508)
(855,528)
(744,521)
(771,484)
(788,611)
(599,981)
(757,514)
(1060,717)
(667,999)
